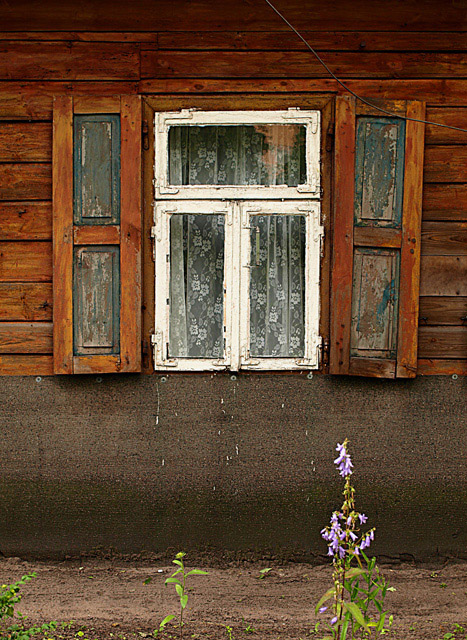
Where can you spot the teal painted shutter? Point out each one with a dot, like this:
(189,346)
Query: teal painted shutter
(376,240)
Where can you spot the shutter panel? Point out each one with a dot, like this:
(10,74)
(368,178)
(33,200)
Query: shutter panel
(378,174)
(97,234)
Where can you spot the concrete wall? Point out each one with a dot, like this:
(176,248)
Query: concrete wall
(242,466)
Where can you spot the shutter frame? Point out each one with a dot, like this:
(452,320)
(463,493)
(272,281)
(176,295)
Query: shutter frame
(402,242)
(69,237)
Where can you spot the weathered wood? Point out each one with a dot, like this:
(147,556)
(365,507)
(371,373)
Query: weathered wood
(112,36)
(25,261)
(439,310)
(63,234)
(26,337)
(377,237)
(25,142)
(130,249)
(96,104)
(409,285)
(96,364)
(342,260)
(372,367)
(445,202)
(97,235)
(25,365)
(454,117)
(78,61)
(443,276)
(446,164)
(22,302)
(444,238)
(320,41)
(148,293)
(442,342)
(264,64)
(434,367)
(25,181)
(33,100)
(25,220)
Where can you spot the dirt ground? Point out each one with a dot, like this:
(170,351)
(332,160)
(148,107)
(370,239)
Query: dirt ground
(108,599)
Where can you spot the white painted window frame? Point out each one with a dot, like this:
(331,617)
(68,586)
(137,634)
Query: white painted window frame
(164,120)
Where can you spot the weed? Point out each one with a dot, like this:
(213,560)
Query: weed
(229,632)
(263,573)
(9,597)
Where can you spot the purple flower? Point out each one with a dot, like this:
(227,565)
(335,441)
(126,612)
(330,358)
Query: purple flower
(334,620)
(343,461)
(362,517)
(352,535)
(323,609)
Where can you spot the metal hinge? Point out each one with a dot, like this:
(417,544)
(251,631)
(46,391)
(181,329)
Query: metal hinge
(325,352)
(145,134)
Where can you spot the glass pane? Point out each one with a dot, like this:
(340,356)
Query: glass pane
(277,286)
(196,286)
(266,154)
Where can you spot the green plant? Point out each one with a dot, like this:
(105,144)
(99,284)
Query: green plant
(9,597)
(229,632)
(178,579)
(454,634)
(263,573)
(359,589)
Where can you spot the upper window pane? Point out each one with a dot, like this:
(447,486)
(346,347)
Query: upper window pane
(259,154)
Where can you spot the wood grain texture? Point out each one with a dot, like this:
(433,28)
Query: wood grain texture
(96,104)
(97,235)
(25,221)
(25,181)
(443,310)
(446,164)
(101,36)
(442,342)
(25,262)
(130,248)
(63,234)
(445,202)
(443,276)
(290,64)
(409,285)
(342,257)
(377,237)
(26,337)
(26,365)
(450,116)
(444,238)
(148,293)
(434,367)
(32,302)
(372,367)
(96,364)
(25,142)
(78,61)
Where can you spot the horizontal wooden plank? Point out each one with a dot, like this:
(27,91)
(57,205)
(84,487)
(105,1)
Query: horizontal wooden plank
(25,142)
(26,337)
(451,116)
(33,100)
(75,61)
(25,220)
(106,36)
(377,237)
(442,342)
(96,104)
(204,15)
(25,262)
(443,276)
(434,367)
(31,301)
(443,310)
(320,41)
(26,365)
(96,364)
(445,164)
(25,181)
(445,202)
(235,64)
(434,92)
(97,235)
(444,238)
(372,367)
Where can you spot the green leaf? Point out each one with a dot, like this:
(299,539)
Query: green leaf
(165,621)
(353,573)
(183,601)
(197,572)
(148,580)
(329,594)
(172,581)
(352,608)
(180,564)
(179,589)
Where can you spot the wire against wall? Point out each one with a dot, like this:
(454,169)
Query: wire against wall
(344,86)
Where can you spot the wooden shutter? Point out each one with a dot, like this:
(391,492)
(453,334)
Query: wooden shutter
(378,175)
(97,234)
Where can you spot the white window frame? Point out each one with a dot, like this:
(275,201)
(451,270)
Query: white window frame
(307,118)
(239,204)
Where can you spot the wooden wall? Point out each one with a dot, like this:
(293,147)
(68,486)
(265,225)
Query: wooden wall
(392,51)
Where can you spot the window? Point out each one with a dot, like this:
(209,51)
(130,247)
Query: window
(237,240)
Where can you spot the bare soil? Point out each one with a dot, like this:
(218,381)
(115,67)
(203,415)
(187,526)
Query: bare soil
(108,599)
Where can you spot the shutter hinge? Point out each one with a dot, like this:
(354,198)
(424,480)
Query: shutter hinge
(145,135)
(330,137)
(325,352)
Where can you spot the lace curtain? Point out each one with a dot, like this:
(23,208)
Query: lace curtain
(237,155)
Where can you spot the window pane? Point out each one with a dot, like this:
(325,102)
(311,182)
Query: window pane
(196,286)
(277,286)
(266,154)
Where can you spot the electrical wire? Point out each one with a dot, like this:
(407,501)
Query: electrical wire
(344,86)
